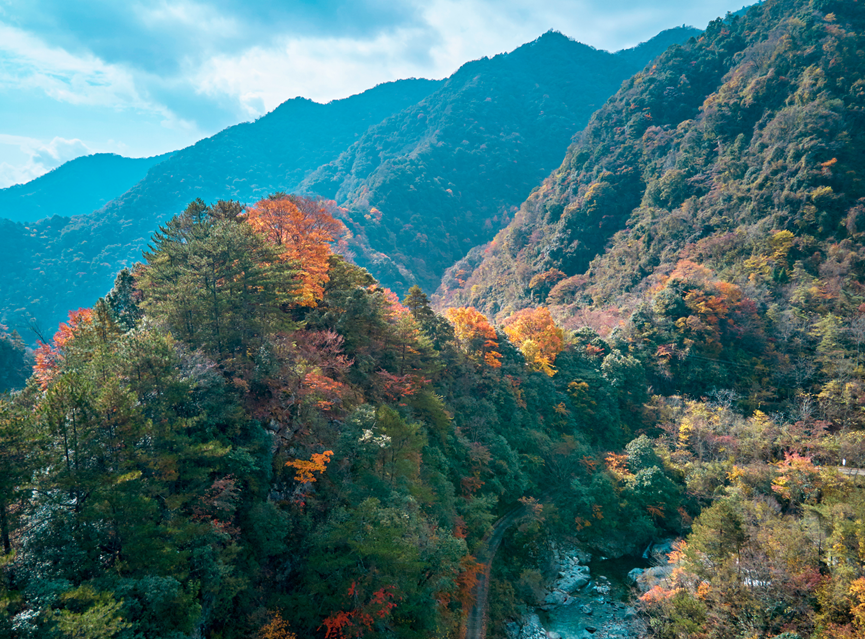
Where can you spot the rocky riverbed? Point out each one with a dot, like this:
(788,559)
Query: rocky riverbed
(590,597)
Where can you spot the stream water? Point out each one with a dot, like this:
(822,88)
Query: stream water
(605,610)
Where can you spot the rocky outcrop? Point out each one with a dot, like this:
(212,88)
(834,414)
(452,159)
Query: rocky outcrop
(529,628)
(648,578)
(573,575)
(651,577)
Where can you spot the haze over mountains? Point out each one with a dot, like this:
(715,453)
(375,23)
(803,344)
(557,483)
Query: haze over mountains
(396,156)
(77,187)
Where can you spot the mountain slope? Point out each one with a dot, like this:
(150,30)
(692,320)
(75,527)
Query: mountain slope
(753,129)
(427,184)
(77,187)
(58,264)
(426,170)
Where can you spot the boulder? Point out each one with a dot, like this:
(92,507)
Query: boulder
(660,552)
(634,574)
(532,628)
(556,598)
(572,580)
(652,577)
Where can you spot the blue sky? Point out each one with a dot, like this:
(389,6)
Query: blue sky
(145,77)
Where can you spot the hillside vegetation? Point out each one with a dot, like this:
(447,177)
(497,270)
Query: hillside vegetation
(752,130)
(427,184)
(708,223)
(515,138)
(249,437)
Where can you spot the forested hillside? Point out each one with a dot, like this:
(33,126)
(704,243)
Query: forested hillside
(752,130)
(450,170)
(249,437)
(78,187)
(57,264)
(429,183)
(708,222)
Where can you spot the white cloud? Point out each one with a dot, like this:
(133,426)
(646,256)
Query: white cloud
(450,33)
(320,69)
(28,63)
(42,157)
(194,66)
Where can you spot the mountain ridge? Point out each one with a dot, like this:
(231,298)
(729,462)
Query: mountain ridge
(645,165)
(421,164)
(86,184)
(58,264)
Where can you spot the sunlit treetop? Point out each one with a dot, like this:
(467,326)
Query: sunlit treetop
(303,229)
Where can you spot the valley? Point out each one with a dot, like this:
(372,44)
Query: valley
(568,344)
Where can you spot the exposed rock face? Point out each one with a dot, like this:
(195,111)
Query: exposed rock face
(574,578)
(650,577)
(530,628)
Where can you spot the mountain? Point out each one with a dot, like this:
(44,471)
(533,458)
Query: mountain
(753,129)
(249,422)
(58,264)
(425,185)
(425,170)
(78,187)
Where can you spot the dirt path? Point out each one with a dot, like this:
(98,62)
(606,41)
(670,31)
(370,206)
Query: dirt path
(851,472)
(476,622)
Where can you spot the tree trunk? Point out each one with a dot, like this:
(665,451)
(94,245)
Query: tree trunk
(4,527)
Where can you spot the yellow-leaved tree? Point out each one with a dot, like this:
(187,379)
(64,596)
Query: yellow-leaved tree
(475,335)
(535,333)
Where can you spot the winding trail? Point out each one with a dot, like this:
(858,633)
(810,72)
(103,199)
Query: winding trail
(476,622)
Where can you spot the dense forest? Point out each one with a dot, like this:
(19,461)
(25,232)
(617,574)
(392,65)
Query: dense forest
(412,146)
(707,223)
(478,145)
(251,436)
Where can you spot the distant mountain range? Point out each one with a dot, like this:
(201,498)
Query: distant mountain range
(429,183)
(424,170)
(77,187)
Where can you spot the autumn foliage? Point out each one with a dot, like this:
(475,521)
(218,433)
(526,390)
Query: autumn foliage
(49,356)
(356,622)
(276,628)
(305,469)
(303,229)
(537,336)
(475,334)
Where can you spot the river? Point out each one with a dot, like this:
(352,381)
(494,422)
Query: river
(609,612)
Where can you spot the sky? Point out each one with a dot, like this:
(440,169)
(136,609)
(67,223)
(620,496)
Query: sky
(140,78)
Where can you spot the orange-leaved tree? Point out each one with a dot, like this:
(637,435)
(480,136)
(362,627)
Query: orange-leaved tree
(305,469)
(535,333)
(303,229)
(475,335)
(276,628)
(49,356)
